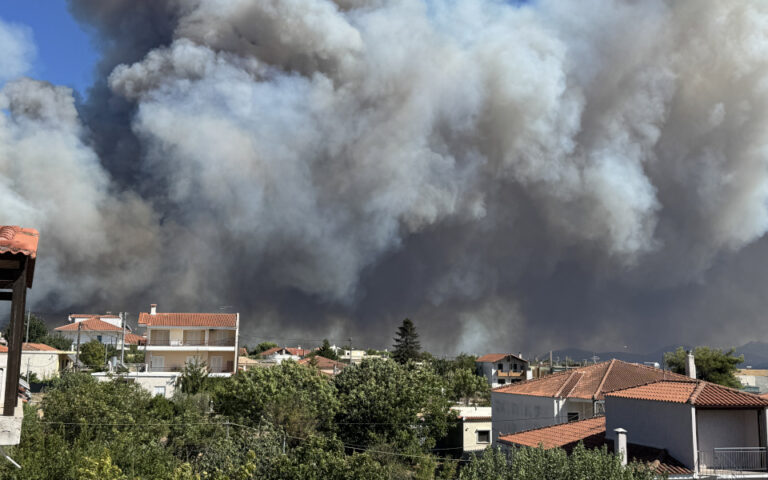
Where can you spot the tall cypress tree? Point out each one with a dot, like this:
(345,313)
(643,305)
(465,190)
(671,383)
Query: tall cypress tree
(407,346)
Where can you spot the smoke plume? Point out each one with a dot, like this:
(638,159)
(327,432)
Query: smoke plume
(512,177)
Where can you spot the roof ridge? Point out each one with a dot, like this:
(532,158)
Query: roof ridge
(605,377)
(696,391)
(565,383)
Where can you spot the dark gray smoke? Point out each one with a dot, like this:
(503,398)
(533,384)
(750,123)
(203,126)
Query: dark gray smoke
(512,177)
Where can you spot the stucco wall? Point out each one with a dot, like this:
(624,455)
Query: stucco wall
(471,428)
(727,428)
(654,424)
(43,364)
(146,381)
(584,408)
(515,413)
(175,360)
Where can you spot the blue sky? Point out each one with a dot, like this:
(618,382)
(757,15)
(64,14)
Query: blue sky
(65,54)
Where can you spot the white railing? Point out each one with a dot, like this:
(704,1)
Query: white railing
(736,459)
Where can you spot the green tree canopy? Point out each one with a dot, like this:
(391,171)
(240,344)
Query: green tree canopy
(193,378)
(464,386)
(383,402)
(407,346)
(59,341)
(263,347)
(712,364)
(38,332)
(92,354)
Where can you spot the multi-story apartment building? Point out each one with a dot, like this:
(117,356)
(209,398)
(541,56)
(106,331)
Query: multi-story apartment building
(175,339)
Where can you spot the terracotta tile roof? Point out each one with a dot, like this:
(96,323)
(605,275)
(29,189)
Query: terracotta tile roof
(696,393)
(32,347)
(225,320)
(556,435)
(591,433)
(94,324)
(299,352)
(133,339)
(15,239)
(590,382)
(323,363)
(496,357)
(243,351)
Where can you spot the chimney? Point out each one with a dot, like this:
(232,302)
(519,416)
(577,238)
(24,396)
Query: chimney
(621,445)
(153,309)
(690,365)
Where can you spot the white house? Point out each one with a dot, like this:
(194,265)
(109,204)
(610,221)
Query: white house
(475,427)
(176,339)
(503,368)
(567,396)
(755,380)
(106,329)
(279,354)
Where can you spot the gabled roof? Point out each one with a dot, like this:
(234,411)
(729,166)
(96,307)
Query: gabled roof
(299,352)
(323,363)
(696,393)
(222,320)
(592,433)
(496,357)
(94,324)
(591,382)
(133,339)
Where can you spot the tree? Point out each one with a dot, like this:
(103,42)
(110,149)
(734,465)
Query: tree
(92,354)
(463,385)
(193,378)
(263,347)
(384,403)
(712,364)
(326,351)
(407,346)
(58,341)
(37,330)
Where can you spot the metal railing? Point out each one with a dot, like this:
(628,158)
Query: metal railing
(736,459)
(229,342)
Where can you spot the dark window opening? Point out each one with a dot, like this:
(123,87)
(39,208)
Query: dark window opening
(573,416)
(483,436)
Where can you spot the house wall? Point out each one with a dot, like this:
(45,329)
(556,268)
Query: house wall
(174,361)
(727,428)
(670,426)
(490,371)
(469,434)
(147,381)
(514,413)
(43,364)
(107,338)
(585,408)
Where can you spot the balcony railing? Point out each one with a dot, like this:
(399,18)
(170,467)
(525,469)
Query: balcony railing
(227,368)
(738,459)
(229,342)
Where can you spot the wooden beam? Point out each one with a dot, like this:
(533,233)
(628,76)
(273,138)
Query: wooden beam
(18,305)
(9,264)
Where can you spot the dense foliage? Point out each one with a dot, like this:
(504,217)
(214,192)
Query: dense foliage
(712,364)
(326,351)
(407,346)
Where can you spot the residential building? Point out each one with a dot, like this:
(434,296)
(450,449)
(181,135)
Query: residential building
(106,329)
(567,396)
(325,365)
(39,359)
(754,380)
(503,368)
(176,339)
(475,429)
(278,354)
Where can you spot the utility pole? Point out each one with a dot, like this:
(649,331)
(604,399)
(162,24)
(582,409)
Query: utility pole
(28,319)
(77,351)
(122,342)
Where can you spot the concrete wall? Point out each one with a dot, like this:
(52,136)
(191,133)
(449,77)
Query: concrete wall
(727,428)
(514,413)
(148,381)
(585,408)
(655,424)
(469,434)
(43,364)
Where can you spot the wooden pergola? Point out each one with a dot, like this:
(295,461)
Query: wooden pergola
(18,250)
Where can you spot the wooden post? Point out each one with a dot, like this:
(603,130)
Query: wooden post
(77,350)
(18,305)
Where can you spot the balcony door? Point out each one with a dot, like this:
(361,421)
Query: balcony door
(160,337)
(217,363)
(158,363)
(194,337)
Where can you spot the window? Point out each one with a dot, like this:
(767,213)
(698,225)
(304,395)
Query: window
(159,391)
(500,367)
(514,367)
(502,381)
(573,416)
(160,337)
(217,364)
(483,436)
(157,363)
(98,337)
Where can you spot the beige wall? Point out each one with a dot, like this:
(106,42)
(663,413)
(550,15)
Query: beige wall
(176,360)
(471,428)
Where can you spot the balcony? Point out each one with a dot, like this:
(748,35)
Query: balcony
(510,374)
(730,461)
(228,367)
(164,342)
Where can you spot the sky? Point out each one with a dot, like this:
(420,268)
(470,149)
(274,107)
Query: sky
(64,51)
(513,177)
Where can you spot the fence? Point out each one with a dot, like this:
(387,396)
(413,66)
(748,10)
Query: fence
(733,460)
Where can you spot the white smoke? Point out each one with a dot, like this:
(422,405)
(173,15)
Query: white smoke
(464,148)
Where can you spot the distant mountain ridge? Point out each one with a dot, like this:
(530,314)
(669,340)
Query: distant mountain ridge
(755,355)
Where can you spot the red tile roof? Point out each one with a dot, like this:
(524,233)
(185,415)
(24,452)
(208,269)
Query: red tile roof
(94,324)
(90,315)
(243,352)
(496,357)
(591,433)
(222,320)
(133,339)
(323,363)
(696,393)
(299,352)
(18,240)
(32,347)
(591,382)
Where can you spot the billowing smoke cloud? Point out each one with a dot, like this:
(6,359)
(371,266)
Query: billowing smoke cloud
(512,177)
